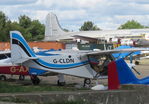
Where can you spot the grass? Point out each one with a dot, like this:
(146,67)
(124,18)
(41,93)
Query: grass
(9,87)
(14,100)
(13,87)
(19,100)
(69,102)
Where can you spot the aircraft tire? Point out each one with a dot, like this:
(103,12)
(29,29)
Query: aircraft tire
(2,77)
(60,83)
(35,80)
(87,81)
(21,77)
(137,62)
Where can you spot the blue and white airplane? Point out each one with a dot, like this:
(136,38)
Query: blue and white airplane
(69,62)
(120,73)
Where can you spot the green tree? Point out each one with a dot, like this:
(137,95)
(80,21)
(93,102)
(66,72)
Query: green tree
(16,26)
(66,30)
(3,20)
(31,29)
(3,28)
(131,25)
(24,21)
(37,30)
(87,26)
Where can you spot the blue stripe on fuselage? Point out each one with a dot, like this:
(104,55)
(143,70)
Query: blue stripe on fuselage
(35,71)
(62,65)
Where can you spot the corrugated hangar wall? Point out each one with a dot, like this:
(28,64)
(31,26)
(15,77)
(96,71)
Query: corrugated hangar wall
(44,45)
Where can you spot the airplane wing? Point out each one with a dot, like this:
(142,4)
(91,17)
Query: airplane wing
(4,52)
(86,38)
(116,51)
(91,39)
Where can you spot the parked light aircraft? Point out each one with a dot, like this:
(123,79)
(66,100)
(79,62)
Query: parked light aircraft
(69,62)
(6,67)
(119,73)
(135,37)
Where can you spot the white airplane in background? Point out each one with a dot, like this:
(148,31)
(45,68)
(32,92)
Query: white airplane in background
(7,67)
(5,58)
(70,62)
(54,32)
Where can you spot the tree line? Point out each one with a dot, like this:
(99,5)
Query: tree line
(33,30)
(131,24)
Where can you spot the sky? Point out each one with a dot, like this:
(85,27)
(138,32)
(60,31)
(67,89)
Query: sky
(106,14)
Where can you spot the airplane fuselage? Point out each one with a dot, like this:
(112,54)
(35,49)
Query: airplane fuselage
(69,63)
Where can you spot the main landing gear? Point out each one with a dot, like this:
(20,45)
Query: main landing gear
(35,80)
(61,80)
(21,77)
(60,83)
(2,77)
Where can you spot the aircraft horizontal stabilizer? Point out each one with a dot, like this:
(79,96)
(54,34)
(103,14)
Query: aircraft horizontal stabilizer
(23,59)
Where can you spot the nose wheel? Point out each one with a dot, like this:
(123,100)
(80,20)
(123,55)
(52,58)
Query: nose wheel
(35,80)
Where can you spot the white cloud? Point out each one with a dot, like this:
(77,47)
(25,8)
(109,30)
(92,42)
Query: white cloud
(71,14)
(16,2)
(70,3)
(108,25)
(39,15)
(107,14)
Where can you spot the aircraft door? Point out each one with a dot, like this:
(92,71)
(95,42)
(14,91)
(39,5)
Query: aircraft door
(100,63)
